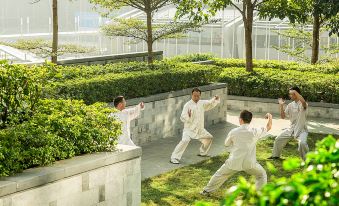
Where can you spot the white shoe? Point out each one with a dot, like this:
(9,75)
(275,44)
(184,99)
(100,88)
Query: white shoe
(205,193)
(174,161)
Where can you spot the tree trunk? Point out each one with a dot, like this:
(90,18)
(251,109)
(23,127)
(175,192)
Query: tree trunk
(248,22)
(54,56)
(149,37)
(315,39)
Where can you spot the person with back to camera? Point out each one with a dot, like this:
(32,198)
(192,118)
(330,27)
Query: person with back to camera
(241,143)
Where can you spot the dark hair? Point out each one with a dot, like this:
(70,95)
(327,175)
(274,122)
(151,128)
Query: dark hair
(196,89)
(246,116)
(117,100)
(296,89)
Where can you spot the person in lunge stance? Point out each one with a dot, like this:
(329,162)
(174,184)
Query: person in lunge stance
(297,112)
(193,118)
(241,143)
(126,116)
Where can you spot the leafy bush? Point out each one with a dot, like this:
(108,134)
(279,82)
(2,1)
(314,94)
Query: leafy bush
(161,77)
(192,57)
(65,73)
(20,90)
(43,48)
(273,83)
(328,68)
(58,130)
(316,184)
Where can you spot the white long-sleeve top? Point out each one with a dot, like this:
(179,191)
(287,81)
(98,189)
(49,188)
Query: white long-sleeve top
(194,125)
(297,115)
(126,116)
(241,143)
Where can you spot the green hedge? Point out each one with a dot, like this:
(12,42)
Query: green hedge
(59,129)
(65,73)
(329,68)
(191,57)
(167,77)
(273,83)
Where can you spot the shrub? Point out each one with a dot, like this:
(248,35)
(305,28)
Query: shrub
(328,68)
(59,129)
(65,73)
(273,83)
(162,77)
(20,90)
(191,57)
(316,184)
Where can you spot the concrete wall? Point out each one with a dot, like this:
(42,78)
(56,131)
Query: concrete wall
(254,104)
(160,119)
(107,59)
(90,180)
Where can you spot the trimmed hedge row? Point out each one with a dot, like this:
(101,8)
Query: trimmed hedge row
(273,83)
(64,73)
(60,129)
(167,77)
(282,65)
(191,57)
(328,68)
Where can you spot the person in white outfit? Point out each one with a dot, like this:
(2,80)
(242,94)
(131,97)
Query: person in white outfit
(297,113)
(193,118)
(241,143)
(126,116)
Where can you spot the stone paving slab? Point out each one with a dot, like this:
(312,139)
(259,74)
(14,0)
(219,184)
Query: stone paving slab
(156,155)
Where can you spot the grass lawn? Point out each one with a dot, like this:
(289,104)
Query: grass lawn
(182,186)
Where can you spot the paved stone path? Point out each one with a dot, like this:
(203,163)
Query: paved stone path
(156,155)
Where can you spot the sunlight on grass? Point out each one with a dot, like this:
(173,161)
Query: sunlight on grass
(182,186)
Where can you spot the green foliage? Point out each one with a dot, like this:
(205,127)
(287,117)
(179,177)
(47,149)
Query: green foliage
(43,48)
(64,73)
(316,184)
(303,11)
(303,41)
(20,90)
(137,29)
(156,78)
(59,129)
(274,83)
(326,68)
(192,57)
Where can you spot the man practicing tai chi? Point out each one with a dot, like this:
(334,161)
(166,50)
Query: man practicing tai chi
(297,112)
(126,116)
(193,118)
(241,143)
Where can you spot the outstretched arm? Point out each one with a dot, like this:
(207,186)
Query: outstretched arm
(281,108)
(210,104)
(135,111)
(300,98)
(269,122)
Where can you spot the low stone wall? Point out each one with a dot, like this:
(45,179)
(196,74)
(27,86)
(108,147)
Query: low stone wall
(112,178)
(254,104)
(106,59)
(161,117)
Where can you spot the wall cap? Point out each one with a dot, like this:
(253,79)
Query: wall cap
(34,177)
